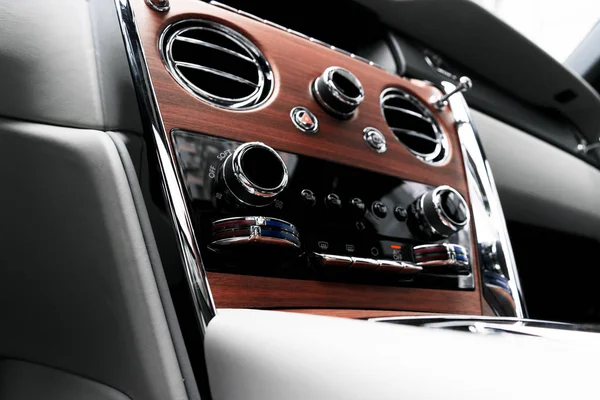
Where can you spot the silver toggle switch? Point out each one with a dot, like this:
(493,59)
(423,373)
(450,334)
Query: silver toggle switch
(464,85)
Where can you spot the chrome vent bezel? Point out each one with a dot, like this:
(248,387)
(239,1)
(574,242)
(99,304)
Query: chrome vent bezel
(248,52)
(440,152)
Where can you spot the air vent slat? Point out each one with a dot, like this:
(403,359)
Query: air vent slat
(215,47)
(414,125)
(216,72)
(216,64)
(405,111)
(414,134)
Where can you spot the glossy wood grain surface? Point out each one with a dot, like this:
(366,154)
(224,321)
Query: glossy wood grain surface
(296,62)
(242,291)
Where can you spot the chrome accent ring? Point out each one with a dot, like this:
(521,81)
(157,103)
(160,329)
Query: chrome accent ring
(327,77)
(247,184)
(156,5)
(264,73)
(328,87)
(441,139)
(447,220)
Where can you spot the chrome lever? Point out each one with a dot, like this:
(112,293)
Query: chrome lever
(465,84)
(585,148)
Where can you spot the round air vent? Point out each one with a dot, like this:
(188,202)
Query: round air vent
(413,125)
(217,64)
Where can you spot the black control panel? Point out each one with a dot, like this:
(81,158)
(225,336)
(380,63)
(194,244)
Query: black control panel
(264,212)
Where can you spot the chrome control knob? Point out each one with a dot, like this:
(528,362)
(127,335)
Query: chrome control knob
(439,213)
(254,233)
(452,257)
(338,91)
(254,174)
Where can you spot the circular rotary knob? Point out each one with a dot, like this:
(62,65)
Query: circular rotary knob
(338,91)
(255,174)
(441,212)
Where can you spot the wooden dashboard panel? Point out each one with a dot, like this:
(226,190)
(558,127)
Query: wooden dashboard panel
(296,62)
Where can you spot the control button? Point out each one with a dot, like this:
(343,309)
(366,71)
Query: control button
(439,213)
(308,197)
(254,174)
(350,248)
(358,206)
(374,251)
(364,264)
(379,209)
(390,267)
(375,140)
(338,91)
(323,245)
(333,202)
(304,120)
(410,269)
(360,226)
(253,233)
(394,250)
(397,268)
(331,260)
(400,213)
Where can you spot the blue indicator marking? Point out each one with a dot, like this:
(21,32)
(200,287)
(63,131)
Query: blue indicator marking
(279,225)
(280,235)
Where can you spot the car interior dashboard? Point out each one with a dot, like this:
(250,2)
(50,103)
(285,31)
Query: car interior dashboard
(195,184)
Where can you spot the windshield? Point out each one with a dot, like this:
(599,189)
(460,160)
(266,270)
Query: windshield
(557,26)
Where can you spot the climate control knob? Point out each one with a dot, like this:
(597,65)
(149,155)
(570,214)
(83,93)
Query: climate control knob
(338,91)
(439,213)
(254,174)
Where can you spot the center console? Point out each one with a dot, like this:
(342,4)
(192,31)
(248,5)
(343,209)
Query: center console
(301,177)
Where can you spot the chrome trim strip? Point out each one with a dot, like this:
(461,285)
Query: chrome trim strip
(172,184)
(299,34)
(490,226)
(223,6)
(451,317)
(274,25)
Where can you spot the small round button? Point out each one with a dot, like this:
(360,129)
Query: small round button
(358,206)
(333,202)
(308,197)
(304,120)
(400,213)
(379,209)
(375,139)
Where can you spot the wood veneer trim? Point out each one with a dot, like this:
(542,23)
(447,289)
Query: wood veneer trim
(245,291)
(296,62)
